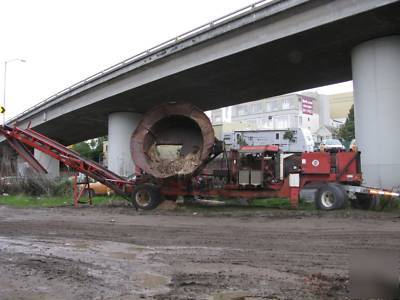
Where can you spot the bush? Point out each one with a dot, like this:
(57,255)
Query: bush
(37,185)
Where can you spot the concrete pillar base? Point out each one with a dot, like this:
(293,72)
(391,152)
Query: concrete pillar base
(23,168)
(376,78)
(121,125)
(50,164)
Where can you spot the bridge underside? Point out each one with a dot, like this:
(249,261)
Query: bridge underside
(313,58)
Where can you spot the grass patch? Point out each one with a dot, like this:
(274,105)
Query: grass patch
(28,201)
(281,203)
(232,204)
(273,203)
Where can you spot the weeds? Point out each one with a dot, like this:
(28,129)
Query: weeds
(36,186)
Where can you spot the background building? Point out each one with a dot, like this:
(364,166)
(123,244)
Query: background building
(321,114)
(281,112)
(340,105)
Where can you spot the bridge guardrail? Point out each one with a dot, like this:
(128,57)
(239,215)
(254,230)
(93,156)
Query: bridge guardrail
(160,47)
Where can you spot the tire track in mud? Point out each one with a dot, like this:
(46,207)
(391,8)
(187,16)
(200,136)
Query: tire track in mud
(182,257)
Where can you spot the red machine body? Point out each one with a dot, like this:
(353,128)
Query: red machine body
(273,177)
(250,172)
(339,167)
(316,163)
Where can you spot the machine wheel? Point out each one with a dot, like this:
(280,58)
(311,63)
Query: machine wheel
(364,201)
(331,196)
(146,196)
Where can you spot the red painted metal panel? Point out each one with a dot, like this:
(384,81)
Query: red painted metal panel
(346,166)
(26,155)
(259,149)
(316,163)
(294,197)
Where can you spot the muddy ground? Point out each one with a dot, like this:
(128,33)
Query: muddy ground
(118,253)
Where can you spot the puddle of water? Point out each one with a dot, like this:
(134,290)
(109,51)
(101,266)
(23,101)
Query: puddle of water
(232,296)
(81,244)
(137,248)
(123,255)
(29,296)
(151,281)
(9,291)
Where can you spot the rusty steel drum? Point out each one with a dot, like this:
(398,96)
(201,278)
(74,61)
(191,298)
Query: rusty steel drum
(172,139)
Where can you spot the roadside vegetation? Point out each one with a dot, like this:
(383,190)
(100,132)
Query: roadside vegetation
(39,191)
(91,149)
(229,204)
(22,200)
(273,203)
(29,201)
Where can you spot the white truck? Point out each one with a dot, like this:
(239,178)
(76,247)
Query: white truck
(301,139)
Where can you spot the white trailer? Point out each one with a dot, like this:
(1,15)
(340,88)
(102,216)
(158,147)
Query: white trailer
(302,139)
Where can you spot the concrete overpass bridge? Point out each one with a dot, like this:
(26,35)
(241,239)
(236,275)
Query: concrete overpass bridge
(267,49)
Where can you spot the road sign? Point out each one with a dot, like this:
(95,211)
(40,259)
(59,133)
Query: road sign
(2,110)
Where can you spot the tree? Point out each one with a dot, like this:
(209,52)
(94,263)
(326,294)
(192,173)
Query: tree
(241,140)
(92,149)
(290,136)
(346,132)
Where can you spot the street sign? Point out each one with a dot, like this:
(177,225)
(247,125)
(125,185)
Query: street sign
(2,110)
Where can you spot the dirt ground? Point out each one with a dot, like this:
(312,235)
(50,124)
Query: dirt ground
(118,253)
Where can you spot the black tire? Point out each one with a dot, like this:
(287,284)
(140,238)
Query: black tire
(330,197)
(146,196)
(365,201)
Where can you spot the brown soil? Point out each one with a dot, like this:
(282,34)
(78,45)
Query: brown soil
(118,253)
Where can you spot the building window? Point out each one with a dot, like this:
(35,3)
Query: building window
(275,105)
(285,104)
(234,111)
(277,136)
(269,122)
(281,122)
(242,111)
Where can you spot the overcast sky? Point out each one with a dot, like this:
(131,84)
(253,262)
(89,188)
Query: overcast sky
(65,41)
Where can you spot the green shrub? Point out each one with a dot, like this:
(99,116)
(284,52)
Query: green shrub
(37,185)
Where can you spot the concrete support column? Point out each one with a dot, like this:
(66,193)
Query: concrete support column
(376,77)
(50,164)
(22,167)
(324,110)
(120,128)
